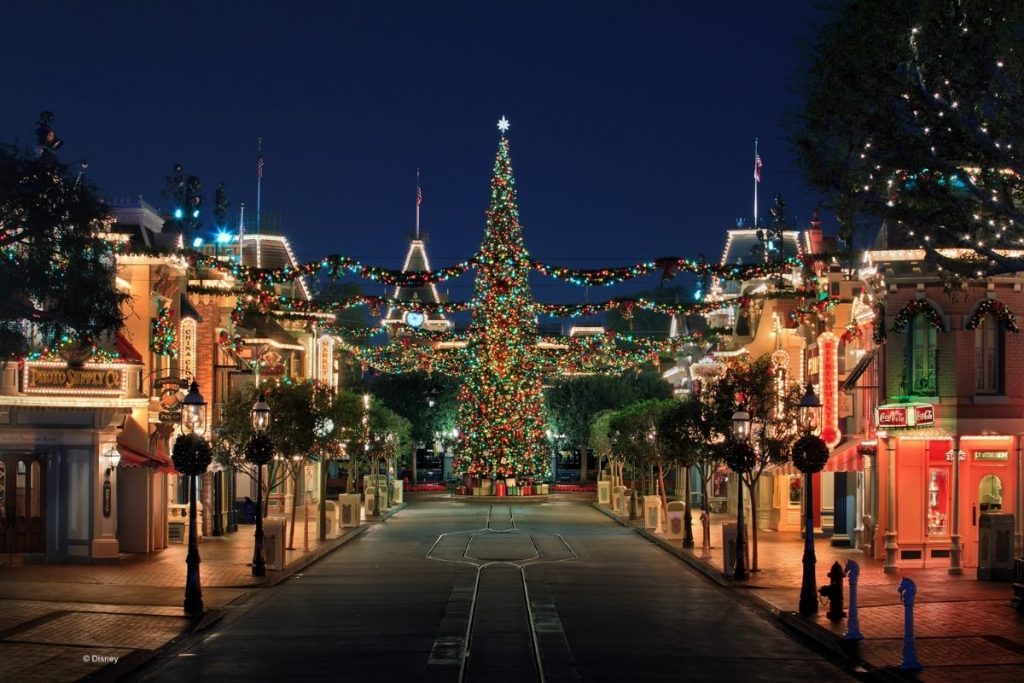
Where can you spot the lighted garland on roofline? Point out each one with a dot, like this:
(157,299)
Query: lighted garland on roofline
(917,307)
(999,310)
(816,308)
(165,340)
(68,346)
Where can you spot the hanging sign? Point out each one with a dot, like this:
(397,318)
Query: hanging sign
(828,377)
(905,415)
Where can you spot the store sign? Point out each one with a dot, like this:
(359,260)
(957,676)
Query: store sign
(905,415)
(828,352)
(172,391)
(56,378)
(991,455)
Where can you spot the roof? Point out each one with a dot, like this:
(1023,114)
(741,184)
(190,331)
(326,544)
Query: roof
(416,261)
(265,327)
(742,246)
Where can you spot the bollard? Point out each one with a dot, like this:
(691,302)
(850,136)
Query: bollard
(908,590)
(705,522)
(853,624)
(833,592)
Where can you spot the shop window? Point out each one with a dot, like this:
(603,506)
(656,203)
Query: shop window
(938,501)
(922,357)
(988,373)
(796,488)
(990,493)
(34,503)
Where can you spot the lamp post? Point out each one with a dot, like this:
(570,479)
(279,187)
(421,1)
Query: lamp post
(323,429)
(259,451)
(810,454)
(741,461)
(192,455)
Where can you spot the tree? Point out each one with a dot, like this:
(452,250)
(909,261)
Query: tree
(574,402)
(501,405)
(56,271)
(754,387)
(679,429)
(427,401)
(913,114)
(635,429)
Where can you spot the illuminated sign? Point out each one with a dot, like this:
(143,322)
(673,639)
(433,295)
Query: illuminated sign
(991,455)
(905,415)
(828,377)
(57,378)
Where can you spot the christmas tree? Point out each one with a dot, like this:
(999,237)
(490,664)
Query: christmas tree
(500,401)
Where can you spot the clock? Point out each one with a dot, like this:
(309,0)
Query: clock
(414,319)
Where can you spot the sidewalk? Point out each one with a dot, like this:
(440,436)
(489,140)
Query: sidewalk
(965,629)
(65,622)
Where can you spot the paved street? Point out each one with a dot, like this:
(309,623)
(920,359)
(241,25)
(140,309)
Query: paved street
(556,586)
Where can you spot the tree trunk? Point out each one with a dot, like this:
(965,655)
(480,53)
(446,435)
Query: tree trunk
(295,507)
(412,468)
(350,482)
(583,463)
(661,482)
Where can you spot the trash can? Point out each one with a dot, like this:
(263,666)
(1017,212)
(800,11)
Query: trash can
(333,528)
(397,492)
(652,513)
(368,497)
(619,500)
(348,510)
(995,547)
(604,492)
(729,547)
(273,541)
(676,512)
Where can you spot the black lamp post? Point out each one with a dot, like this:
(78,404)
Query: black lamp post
(192,455)
(741,460)
(810,454)
(323,429)
(259,451)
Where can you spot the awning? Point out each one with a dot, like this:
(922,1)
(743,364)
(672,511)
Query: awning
(188,310)
(131,457)
(845,458)
(859,369)
(782,468)
(125,349)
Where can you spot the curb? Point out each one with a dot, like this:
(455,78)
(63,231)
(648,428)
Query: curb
(139,658)
(794,621)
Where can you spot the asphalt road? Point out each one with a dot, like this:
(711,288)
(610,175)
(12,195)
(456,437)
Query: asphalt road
(459,591)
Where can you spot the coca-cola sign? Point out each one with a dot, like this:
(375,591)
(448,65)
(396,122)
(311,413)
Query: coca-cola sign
(905,415)
(891,416)
(924,415)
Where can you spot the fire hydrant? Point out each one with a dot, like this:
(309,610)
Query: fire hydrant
(833,592)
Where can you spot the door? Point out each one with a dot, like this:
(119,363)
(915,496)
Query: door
(22,503)
(987,488)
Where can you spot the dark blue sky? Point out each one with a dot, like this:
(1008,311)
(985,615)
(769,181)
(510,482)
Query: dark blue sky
(632,122)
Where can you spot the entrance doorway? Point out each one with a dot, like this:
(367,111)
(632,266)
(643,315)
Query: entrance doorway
(22,503)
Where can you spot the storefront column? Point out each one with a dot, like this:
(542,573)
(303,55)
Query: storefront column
(1018,521)
(954,538)
(890,506)
(871,500)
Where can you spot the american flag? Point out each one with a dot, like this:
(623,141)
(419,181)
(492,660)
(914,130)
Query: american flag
(259,165)
(757,167)
(419,195)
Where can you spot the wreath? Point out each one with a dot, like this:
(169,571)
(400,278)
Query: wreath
(917,307)
(810,454)
(192,454)
(740,457)
(999,310)
(260,449)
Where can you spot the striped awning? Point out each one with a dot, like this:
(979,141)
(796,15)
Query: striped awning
(131,457)
(845,458)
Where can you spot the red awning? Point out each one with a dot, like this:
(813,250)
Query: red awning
(125,349)
(845,458)
(133,458)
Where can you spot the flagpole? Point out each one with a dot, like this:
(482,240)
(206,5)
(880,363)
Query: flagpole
(241,231)
(419,196)
(259,179)
(756,181)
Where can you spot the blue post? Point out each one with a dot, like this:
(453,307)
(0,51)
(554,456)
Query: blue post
(852,623)
(908,590)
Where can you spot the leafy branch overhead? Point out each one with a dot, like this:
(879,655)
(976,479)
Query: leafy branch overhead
(913,115)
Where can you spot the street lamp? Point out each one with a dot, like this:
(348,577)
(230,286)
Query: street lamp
(192,455)
(741,460)
(323,429)
(259,451)
(810,453)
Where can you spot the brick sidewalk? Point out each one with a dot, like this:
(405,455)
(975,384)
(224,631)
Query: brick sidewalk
(965,629)
(64,622)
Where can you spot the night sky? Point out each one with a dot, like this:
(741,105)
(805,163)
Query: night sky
(632,123)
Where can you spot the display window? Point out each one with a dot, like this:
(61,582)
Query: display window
(938,501)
